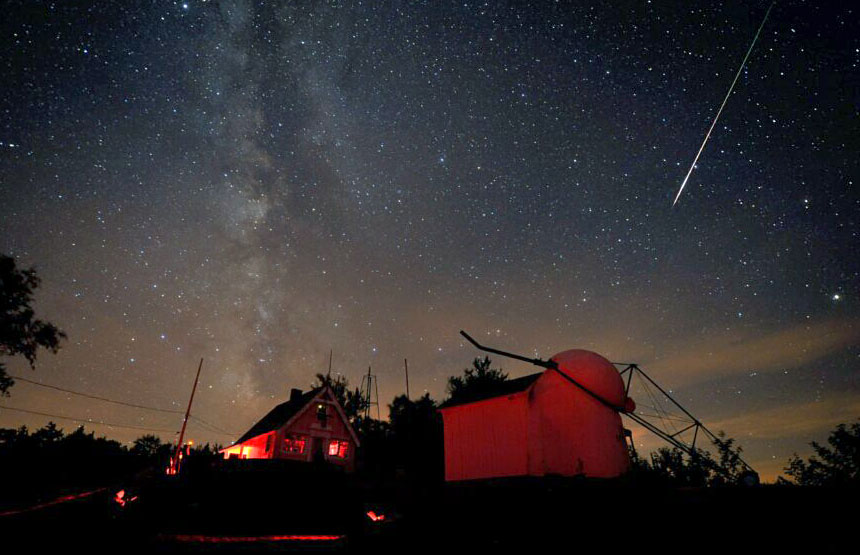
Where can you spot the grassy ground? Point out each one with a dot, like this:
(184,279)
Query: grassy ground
(532,515)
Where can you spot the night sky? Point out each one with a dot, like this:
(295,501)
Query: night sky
(258,183)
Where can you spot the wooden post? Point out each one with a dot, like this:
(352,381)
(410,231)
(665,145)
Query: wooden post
(174,466)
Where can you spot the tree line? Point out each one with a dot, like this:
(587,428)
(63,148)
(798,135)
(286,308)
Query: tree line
(409,444)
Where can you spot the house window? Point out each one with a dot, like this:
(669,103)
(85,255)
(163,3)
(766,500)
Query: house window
(269,441)
(322,414)
(338,448)
(294,445)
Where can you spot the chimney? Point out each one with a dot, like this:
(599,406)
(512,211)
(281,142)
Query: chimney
(295,394)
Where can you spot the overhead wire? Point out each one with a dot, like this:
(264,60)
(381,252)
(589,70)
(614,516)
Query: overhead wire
(86,420)
(96,397)
(212,427)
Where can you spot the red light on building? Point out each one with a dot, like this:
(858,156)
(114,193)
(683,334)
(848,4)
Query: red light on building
(375,517)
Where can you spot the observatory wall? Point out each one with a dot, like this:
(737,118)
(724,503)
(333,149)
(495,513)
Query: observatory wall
(487,439)
(552,426)
(571,433)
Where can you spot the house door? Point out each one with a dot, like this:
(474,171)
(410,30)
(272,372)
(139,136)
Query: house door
(317,450)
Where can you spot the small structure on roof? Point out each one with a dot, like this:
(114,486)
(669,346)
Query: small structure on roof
(563,421)
(310,427)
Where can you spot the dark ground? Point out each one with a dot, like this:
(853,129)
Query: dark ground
(561,515)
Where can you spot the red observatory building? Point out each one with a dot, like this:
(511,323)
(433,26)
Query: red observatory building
(544,423)
(309,427)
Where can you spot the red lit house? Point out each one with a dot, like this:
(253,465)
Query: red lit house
(309,427)
(542,424)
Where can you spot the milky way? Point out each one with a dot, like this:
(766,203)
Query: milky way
(259,183)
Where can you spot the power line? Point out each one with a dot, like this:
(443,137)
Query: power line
(86,421)
(171,411)
(213,427)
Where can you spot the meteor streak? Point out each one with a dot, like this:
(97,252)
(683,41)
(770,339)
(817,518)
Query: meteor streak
(723,105)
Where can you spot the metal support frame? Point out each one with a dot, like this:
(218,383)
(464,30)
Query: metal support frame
(696,425)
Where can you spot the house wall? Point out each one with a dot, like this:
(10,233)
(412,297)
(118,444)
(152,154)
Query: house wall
(486,439)
(254,448)
(307,424)
(571,433)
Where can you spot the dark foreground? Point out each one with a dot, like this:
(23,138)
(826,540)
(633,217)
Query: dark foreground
(262,511)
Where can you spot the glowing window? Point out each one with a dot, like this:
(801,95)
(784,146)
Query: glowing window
(338,448)
(294,445)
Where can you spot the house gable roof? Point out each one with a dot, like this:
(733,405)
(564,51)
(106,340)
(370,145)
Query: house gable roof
(285,413)
(331,398)
(508,387)
(279,415)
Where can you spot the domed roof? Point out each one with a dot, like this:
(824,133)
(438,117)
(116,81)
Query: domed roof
(593,372)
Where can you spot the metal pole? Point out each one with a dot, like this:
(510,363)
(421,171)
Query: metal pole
(174,468)
(376,390)
(367,401)
(406,369)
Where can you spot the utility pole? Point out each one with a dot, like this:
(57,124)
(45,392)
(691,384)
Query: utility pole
(174,464)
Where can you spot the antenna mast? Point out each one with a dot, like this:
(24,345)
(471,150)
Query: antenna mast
(369,390)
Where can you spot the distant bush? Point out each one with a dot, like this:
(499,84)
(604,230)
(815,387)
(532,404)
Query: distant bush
(837,465)
(672,466)
(47,461)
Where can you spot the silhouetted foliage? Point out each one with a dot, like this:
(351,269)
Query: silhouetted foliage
(147,446)
(48,461)
(416,436)
(475,381)
(350,399)
(672,466)
(836,465)
(376,458)
(20,332)
(728,468)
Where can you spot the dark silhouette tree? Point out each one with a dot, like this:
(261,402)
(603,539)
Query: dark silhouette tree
(350,399)
(672,466)
(836,465)
(728,468)
(147,446)
(416,437)
(47,436)
(20,332)
(475,381)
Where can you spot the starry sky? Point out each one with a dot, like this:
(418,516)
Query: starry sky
(258,183)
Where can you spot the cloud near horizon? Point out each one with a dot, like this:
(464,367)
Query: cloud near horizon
(713,357)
